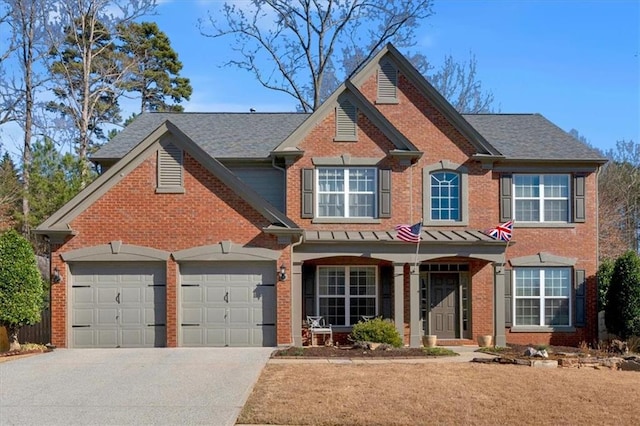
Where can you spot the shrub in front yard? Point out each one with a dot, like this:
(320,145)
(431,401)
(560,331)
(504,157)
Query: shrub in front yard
(21,287)
(622,312)
(376,330)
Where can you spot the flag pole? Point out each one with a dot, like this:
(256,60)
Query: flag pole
(415,263)
(504,264)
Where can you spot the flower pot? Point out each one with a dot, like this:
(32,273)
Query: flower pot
(484,341)
(430,340)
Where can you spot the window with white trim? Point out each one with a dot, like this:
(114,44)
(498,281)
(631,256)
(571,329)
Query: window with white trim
(347,293)
(445,196)
(541,198)
(346,192)
(542,297)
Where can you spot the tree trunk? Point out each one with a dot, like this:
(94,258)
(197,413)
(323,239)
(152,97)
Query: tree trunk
(12,337)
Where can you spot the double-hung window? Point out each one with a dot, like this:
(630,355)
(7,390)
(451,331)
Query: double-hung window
(541,198)
(346,293)
(346,192)
(445,196)
(542,297)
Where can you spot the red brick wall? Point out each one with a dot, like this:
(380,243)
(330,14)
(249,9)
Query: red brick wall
(207,213)
(431,133)
(210,212)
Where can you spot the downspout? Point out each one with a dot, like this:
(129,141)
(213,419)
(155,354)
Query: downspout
(599,169)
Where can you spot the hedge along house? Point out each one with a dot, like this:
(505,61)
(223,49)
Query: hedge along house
(229,229)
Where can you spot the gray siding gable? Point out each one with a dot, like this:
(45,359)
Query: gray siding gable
(266,181)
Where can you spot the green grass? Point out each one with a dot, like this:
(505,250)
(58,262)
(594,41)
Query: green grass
(439,351)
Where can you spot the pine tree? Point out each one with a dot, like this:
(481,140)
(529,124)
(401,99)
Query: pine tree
(10,192)
(54,180)
(156,72)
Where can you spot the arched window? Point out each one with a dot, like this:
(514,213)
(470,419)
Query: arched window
(445,190)
(445,196)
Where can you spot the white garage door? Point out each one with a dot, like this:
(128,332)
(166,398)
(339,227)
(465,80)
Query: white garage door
(228,304)
(118,305)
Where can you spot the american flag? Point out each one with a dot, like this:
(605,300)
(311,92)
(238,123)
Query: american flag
(502,232)
(410,234)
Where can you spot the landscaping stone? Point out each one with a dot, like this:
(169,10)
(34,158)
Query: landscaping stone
(544,363)
(618,347)
(630,363)
(536,353)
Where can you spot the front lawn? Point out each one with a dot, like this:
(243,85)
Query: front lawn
(449,393)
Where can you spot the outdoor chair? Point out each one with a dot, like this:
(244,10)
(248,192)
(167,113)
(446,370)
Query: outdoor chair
(317,325)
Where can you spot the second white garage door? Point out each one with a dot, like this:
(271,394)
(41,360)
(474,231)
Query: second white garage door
(228,304)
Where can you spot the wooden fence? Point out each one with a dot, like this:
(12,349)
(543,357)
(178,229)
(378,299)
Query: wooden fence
(37,333)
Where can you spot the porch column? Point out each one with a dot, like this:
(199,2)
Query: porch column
(398,297)
(498,305)
(414,309)
(296,303)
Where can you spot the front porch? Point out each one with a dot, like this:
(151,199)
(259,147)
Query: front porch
(455,290)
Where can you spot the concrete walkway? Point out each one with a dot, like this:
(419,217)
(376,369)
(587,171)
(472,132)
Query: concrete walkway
(466,354)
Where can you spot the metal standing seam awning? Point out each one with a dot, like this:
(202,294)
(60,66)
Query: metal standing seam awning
(385,245)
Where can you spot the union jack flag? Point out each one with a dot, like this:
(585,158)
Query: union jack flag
(502,232)
(410,234)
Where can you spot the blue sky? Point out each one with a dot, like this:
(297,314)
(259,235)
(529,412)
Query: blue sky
(575,62)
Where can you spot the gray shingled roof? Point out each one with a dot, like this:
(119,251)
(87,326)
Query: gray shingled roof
(255,135)
(530,137)
(221,135)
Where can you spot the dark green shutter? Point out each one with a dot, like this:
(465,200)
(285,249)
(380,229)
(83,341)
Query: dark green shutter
(307,193)
(505,198)
(309,290)
(579,207)
(580,285)
(386,291)
(508,311)
(384,193)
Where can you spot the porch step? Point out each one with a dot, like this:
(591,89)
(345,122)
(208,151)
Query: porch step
(456,342)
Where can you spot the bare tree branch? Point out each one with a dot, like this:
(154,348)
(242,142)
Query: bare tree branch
(300,38)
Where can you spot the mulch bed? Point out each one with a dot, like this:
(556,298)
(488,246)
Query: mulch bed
(25,352)
(348,352)
(512,351)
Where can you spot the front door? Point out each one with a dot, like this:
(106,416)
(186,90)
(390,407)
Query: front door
(444,305)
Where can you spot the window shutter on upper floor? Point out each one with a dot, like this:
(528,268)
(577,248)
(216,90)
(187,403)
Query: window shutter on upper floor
(387,82)
(579,207)
(580,286)
(508,314)
(506,198)
(346,121)
(384,193)
(170,166)
(307,202)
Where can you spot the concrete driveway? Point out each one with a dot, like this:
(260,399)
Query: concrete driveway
(129,386)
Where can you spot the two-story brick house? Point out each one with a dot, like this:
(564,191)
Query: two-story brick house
(229,229)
